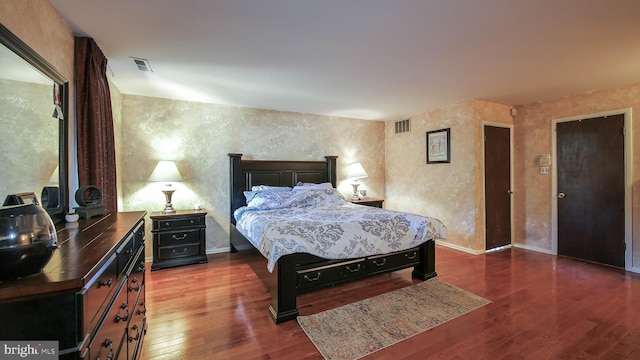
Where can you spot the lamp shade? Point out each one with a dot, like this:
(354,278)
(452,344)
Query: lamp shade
(166,171)
(356,171)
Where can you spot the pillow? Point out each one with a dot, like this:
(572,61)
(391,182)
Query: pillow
(312,186)
(249,195)
(268,187)
(265,200)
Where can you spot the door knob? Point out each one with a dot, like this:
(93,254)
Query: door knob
(510,192)
(561,195)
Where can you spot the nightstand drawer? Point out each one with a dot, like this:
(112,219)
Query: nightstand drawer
(187,236)
(173,252)
(166,224)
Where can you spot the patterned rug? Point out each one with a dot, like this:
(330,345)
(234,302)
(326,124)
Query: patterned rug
(359,329)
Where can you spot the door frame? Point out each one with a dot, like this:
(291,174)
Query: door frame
(628,180)
(484,191)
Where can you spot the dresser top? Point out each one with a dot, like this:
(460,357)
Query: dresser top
(84,247)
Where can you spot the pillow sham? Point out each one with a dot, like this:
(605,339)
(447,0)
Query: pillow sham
(269,187)
(249,195)
(312,186)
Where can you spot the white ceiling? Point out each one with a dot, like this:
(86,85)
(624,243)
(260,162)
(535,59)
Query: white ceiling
(367,59)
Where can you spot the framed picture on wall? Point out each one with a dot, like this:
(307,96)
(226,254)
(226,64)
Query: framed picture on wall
(439,146)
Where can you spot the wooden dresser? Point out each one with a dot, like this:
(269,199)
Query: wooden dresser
(90,297)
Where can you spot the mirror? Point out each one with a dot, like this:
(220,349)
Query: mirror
(33,150)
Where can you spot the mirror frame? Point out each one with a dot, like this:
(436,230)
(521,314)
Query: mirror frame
(13,43)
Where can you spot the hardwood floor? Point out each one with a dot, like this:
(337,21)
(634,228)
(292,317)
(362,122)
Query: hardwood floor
(543,307)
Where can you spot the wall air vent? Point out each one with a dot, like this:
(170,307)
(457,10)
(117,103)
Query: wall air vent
(403,126)
(142,64)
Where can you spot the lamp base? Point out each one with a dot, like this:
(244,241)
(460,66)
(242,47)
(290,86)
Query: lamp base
(355,191)
(168,207)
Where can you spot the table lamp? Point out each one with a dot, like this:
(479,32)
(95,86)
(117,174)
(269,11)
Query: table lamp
(356,171)
(166,171)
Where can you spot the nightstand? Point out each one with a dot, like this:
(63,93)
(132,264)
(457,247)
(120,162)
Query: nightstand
(369,202)
(178,238)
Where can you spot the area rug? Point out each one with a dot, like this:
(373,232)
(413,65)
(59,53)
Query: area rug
(361,328)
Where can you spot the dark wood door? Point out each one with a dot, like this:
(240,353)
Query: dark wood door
(497,179)
(591,190)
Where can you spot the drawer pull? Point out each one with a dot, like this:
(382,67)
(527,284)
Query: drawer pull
(136,288)
(192,222)
(306,277)
(381,263)
(131,338)
(411,256)
(140,312)
(108,344)
(105,283)
(134,280)
(184,236)
(354,270)
(180,251)
(167,223)
(129,251)
(123,318)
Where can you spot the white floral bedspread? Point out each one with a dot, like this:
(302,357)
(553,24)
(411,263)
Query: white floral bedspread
(322,223)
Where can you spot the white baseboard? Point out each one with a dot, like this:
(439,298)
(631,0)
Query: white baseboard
(218,250)
(635,270)
(533,248)
(459,248)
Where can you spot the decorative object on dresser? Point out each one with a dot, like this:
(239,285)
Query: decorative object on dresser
(179,238)
(356,171)
(90,297)
(369,202)
(89,198)
(27,240)
(166,171)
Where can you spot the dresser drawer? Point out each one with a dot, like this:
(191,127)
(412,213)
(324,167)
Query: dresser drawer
(387,262)
(187,236)
(166,224)
(178,251)
(323,276)
(109,337)
(125,254)
(96,295)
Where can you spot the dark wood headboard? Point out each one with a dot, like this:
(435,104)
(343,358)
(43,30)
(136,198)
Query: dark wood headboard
(246,173)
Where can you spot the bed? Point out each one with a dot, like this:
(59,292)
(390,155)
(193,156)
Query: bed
(289,274)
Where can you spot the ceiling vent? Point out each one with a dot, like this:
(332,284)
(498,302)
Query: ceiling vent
(142,64)
(403,126)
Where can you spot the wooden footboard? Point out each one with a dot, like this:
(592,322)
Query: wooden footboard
(298,273)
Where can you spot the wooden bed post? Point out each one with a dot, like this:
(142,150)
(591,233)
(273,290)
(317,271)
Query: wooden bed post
(332,170)
(426,268)
(235,186)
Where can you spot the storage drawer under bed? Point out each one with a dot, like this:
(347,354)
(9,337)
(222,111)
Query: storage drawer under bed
(387,262)
(328,275)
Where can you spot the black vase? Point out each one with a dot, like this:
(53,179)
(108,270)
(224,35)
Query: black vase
(27,240)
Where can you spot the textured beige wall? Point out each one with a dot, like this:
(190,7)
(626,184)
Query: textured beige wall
(40,26)
(443,191)
(451,192)
(532,137)
(29,154)
(199,136)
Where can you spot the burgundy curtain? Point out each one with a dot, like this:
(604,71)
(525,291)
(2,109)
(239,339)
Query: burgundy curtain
(94,122)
